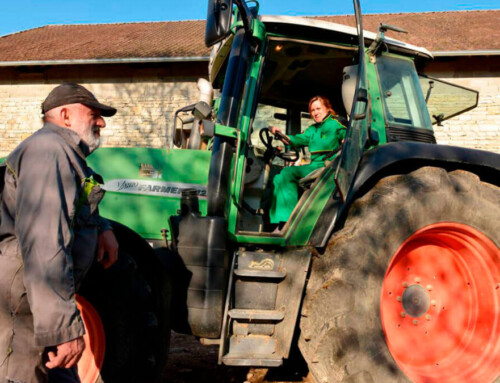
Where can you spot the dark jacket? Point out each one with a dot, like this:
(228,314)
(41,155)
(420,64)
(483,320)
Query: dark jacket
(42,238)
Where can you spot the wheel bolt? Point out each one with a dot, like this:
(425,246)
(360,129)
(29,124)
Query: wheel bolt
(417,279)
(405,284)
(428,317)
(433,302)
(415,322)
(398,298)
(429,287)
(403,314)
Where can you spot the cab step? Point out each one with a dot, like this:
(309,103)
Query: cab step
(251,315)
(262,360)
(259,274)
(262,308)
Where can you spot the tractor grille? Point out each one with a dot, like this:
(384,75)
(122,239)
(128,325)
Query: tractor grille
(410,134)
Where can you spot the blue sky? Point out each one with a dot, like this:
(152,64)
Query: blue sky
(26,14)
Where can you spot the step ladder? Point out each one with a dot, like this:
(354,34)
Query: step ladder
(262,307)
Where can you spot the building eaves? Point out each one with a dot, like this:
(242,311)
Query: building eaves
(466,53)
(130,60)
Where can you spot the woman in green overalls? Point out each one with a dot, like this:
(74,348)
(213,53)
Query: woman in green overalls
(322,137)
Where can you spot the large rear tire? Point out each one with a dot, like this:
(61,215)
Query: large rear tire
(131,300)
(409,289)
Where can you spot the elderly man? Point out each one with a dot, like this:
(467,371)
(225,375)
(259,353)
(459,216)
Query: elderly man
(50,234)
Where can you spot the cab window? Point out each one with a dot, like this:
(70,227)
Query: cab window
(404,104)
(445,100)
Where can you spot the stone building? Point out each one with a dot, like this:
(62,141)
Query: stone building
(148,70)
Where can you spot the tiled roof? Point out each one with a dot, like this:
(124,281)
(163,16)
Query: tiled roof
(436,31)
(101,41)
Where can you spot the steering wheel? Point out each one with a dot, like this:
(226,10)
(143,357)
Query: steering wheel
(267,137)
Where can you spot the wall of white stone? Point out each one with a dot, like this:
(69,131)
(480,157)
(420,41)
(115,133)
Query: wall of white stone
(145,111)
(480,127)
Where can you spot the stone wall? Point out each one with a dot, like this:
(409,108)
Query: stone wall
(147,97)
(145,111)
(480,127)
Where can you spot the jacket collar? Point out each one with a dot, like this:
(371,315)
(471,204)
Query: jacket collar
(71,137)
(319,124)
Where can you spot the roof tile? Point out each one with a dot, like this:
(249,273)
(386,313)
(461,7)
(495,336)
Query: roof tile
(436,31)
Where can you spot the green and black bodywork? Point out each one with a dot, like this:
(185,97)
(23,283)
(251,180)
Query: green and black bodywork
(205,211)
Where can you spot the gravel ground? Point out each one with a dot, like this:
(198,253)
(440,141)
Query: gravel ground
(190,362)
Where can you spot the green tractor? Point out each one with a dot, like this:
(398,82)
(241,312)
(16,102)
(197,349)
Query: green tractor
(388,269)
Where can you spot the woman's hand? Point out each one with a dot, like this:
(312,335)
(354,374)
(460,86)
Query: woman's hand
(274,129)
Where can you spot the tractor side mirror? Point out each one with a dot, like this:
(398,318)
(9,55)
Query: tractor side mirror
(219,16)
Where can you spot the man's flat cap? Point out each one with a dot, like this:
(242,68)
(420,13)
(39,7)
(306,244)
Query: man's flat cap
(71,93)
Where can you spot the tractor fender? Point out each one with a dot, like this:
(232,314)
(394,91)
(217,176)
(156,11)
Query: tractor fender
(129,238)
(402,158)
(128,310)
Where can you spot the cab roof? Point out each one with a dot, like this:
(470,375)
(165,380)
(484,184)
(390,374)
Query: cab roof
(333,32)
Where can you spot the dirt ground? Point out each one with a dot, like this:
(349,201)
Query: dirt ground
(190,362)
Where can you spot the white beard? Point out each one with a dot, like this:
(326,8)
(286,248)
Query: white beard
(92,141)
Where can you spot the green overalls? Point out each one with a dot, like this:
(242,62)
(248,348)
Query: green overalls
(322,138)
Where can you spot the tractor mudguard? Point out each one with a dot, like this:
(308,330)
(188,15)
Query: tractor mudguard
(402,158)
(128,314)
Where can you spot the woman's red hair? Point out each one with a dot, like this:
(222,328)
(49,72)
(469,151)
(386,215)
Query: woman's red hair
(324,101)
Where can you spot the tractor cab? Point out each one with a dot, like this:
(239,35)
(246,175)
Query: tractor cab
(294,71)
(264,70)
(288,61)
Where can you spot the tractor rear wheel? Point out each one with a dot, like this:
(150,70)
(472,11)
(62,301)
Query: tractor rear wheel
(409,289)
(126,314)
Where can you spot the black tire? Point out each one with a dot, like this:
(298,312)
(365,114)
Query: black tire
(132,299)
(342,336)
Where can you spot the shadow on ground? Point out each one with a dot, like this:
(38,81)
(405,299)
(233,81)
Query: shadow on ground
(190,362)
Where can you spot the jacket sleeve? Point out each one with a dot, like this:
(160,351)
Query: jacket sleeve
(301,139)
(45,198)
(341,132)
(102,223)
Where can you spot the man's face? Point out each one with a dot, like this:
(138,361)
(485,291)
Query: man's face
(318,111)
(87,122)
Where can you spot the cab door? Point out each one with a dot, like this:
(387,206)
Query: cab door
(360,116)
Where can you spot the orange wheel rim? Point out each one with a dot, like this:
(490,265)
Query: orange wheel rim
(90,364)
(440,305)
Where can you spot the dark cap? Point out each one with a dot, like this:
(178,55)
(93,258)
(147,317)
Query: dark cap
(71,93)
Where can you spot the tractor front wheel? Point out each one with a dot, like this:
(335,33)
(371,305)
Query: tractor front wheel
(125,310)
(409,289)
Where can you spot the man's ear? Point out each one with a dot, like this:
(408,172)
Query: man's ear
(65,113)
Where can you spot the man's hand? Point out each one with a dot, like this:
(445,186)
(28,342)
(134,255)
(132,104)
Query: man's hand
(107,250)
(67,354)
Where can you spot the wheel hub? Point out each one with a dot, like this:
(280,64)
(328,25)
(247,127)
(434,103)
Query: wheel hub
(440,305)
(416,301)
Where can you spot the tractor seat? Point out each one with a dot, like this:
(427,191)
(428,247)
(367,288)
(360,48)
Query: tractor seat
(306,182)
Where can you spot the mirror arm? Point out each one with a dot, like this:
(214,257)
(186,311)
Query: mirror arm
(431,86)
(246,15)
(188,108)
